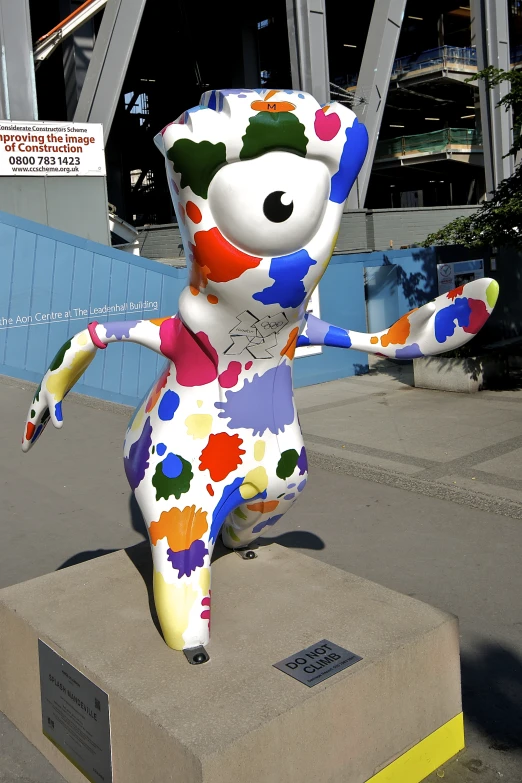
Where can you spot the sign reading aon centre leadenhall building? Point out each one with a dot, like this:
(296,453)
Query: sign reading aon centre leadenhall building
(50,148)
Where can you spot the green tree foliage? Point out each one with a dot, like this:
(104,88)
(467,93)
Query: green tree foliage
(498,221)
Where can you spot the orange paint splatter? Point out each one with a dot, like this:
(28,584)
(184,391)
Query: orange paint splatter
(194,212)
(212,299)
(398,333)
(29,432)
(159,321)
(291,344)
(180,527)
(272,107)
(194,291)
(221,455)
(264,506)
(210,490)
(218,260)
(456,292)
(374,340)
(156,391)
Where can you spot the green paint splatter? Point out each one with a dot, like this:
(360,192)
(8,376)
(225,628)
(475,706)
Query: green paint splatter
(287,463)
(58,359)
(197,163)
(269,131)
(165,486)
(37,394)
(233,536)
(33,413)
(153,449)
(240,514)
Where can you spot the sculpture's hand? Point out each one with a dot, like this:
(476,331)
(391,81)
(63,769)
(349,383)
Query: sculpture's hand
(68,365)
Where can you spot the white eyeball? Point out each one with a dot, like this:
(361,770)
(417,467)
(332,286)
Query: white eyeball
(271,205)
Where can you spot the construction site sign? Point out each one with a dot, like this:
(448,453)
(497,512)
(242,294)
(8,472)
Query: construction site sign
(46,149)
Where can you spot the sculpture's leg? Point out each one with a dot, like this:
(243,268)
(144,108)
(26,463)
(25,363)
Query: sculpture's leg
(251,520)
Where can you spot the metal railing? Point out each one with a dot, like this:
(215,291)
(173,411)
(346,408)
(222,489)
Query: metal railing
(424,143)
(445,56)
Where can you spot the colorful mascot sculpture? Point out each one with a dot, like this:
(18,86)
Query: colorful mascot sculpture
(258,181)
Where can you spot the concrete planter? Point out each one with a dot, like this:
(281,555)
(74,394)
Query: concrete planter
(457,375)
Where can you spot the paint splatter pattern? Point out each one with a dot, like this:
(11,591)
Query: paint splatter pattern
(216,447)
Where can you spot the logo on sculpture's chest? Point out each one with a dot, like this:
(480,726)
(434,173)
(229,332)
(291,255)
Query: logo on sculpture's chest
(256,335)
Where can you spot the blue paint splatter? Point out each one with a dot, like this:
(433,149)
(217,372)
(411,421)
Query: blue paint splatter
(352,158)
(268,523)
(288,272)
(409,352)
(291,486)
(37,432)
(302,485)
(302,462)
(291,496)
(138,460)
(161,449)
(58,411)
(186,561)
(337,337)
(302,340)
(459,311)
(172,466)
(119,329)
(168,405)
(230,499)
(264,403)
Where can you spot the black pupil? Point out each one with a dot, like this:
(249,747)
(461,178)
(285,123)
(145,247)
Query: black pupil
(275,210)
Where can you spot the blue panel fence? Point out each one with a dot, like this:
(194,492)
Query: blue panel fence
(55,283)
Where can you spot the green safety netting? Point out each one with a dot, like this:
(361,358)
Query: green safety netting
(437,141)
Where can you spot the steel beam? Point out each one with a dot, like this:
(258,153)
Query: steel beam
(490,35)
(110,58)
(373,82)
(77,51)
(306,21)
(17,83)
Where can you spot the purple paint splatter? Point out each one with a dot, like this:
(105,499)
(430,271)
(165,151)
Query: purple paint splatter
(302,485)
(186,561)
(269,522)
(302,462)
(138,460)
(264,403)
(409,352)
(119,329)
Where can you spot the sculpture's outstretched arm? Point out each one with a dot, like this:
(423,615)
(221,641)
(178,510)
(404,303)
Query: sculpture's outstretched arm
(445,323)
(70,363)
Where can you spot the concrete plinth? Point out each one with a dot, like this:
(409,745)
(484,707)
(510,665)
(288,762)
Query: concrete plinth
(394,716)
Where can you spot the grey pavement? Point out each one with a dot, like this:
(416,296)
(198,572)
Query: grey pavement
(417,490)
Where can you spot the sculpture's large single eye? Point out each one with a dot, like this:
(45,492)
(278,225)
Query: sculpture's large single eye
(271,205)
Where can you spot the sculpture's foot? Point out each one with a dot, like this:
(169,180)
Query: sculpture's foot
(196,655)
(248,552)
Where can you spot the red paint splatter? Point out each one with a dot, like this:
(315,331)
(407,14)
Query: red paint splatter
(326,126)
(456,292)
(479,316)
(210,490)
(29,432)
(228,378)
(205,614)
(194,212)
(195,359)
(248,365)
(217,259)
(158,386)
(221,455)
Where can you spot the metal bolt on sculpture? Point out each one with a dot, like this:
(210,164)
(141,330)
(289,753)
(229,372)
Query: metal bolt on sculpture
(258,180)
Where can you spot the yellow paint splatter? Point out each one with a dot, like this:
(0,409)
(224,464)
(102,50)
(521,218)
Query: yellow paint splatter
(259,450)
(256,481)
(84,337)
(138,419)
(60,382)
(173,605)
(198,425)
(199,403)
(204,580)
(492,293)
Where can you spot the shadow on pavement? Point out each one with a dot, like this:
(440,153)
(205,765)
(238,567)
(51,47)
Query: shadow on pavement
(492,695)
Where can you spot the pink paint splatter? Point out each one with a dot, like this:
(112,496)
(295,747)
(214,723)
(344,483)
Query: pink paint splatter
(194,357)
(326,126)
(228,377)
(248,365)
(478,316)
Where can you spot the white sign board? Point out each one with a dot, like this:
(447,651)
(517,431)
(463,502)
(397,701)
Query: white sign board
(44,149)
(451,276)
